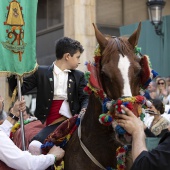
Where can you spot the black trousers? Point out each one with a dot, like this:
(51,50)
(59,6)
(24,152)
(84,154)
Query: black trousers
(43,134)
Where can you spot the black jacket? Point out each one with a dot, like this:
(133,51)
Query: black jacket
(43,80)
(156,159)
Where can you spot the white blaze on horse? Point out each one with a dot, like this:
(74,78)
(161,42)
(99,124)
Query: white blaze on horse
(123,66)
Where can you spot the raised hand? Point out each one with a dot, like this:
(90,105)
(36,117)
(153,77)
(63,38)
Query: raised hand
(19,106)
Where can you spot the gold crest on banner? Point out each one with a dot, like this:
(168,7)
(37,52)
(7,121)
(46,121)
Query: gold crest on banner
(15,33)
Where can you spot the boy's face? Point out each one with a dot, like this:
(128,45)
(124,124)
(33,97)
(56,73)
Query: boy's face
(74,61)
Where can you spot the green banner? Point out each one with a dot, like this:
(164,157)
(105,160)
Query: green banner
(18,37)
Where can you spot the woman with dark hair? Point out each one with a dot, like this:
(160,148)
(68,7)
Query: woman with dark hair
(155,159)
(159,124)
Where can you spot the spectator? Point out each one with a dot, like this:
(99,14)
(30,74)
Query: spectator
(168,83)
(158,123)
(27,115)
(151,91)
(156,159)
(157,78)
(15,158)
(162,91)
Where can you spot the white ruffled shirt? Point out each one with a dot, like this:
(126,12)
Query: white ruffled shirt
(15,158)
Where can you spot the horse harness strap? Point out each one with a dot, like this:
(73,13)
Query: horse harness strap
(84,147)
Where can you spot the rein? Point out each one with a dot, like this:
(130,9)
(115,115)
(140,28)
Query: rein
(84,147)
(121,151)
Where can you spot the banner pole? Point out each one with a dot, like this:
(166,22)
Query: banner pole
(21,114)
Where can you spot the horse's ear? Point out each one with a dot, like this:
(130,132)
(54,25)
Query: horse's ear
(133,39)
(100,37)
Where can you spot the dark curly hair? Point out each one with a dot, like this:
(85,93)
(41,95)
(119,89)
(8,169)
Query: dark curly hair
(159,105)
(67,45)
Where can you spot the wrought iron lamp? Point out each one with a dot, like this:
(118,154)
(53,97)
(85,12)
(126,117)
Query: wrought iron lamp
(155,14)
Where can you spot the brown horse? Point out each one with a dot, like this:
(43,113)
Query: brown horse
(121,74)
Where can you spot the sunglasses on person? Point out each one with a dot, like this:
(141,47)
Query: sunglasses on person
(162,83)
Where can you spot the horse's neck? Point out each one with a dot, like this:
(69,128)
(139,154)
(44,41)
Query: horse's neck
(93,110)
(90,122)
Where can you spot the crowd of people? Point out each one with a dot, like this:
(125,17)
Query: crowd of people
(158,93)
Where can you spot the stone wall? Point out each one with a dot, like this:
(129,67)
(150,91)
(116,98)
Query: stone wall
(79,16)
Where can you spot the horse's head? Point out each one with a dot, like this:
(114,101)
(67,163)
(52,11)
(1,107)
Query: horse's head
(120,71)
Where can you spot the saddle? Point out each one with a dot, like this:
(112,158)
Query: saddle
(61,135)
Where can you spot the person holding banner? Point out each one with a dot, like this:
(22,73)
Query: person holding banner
(156,159)
(60,87)
(15,158)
